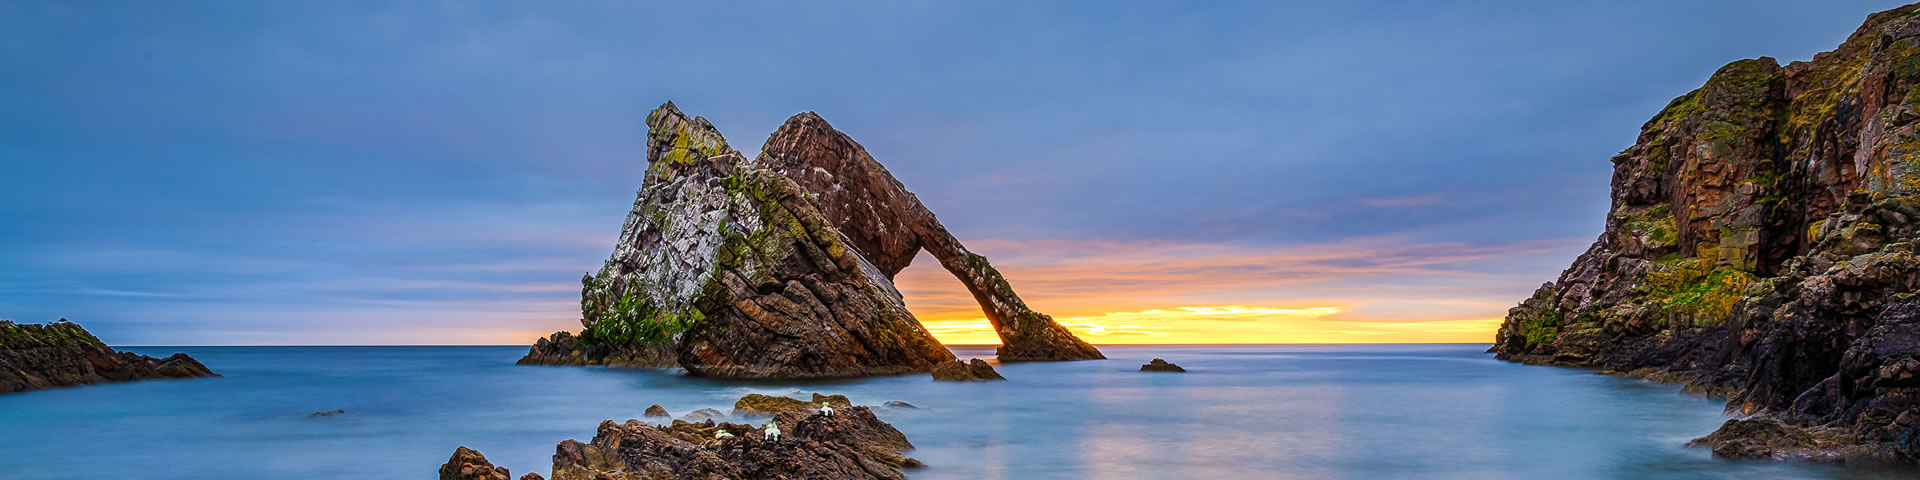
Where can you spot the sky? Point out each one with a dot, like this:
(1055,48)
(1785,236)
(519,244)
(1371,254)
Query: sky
(422,172)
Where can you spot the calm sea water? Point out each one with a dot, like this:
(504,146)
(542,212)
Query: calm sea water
(1374,411)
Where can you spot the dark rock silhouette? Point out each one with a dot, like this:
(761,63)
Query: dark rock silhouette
(1159,365)
(974,370)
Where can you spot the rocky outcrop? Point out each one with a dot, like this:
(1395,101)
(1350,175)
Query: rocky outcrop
(757,404)
(732,267)
(1160,365)
(467,464)
(566,349)
(851,444)
(889,225)
(61,354)
(1761,246)
(974,370)
(657,411)
(778,267)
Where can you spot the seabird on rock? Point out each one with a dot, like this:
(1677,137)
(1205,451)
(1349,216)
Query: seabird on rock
(826,410)
(773,432)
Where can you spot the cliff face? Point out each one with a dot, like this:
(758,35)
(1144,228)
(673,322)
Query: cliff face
(889,225)
(1760,246)
(61,354)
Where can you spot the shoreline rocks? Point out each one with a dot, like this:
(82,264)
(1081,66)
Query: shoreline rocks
(1161,365)
(61,354)
(974,370)
(1763,245)
(851,444)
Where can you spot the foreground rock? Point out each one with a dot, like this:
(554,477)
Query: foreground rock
(61,354)
(852,444)
(757,404)
(1160,365)
(974,370)
(889,225)
(1761,246)
(566,349)
(468,464)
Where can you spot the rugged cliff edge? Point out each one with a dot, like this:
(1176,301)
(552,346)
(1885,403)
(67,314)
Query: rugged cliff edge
(61,354)
(1761,246)
(767,268)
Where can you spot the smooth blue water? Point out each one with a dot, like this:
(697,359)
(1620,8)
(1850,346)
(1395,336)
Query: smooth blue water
(1372,411)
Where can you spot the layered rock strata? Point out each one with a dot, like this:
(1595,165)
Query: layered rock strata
(1761,246)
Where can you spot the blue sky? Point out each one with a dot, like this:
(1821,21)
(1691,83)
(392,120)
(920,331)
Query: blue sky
(443,172)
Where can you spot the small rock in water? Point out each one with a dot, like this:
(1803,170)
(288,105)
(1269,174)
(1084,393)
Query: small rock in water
(975,370)
(898,404)
(704,414)
(329,413)
(657,411)
(1159,365)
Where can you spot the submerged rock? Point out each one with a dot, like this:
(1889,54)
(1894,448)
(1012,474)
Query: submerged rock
(852,444)
(1761,246)
(889,225)
(61,354)
(704,414)
(1159,365)
(898,404)
(974,370)
(328,413)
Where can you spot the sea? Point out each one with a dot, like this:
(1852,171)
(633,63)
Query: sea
(1240,412)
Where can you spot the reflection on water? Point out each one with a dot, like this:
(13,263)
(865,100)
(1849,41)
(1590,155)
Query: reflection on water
(1403,411)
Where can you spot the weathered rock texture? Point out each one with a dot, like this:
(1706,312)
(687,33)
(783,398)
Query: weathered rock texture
(852,444)
(733,268)
(62,354)
(889,225)
(1761,246)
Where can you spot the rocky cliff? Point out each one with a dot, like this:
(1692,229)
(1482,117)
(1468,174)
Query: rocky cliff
(1760,246)
(779,267)
(62,354)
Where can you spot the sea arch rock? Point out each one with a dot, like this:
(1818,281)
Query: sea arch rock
(889,225)
(728,264)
